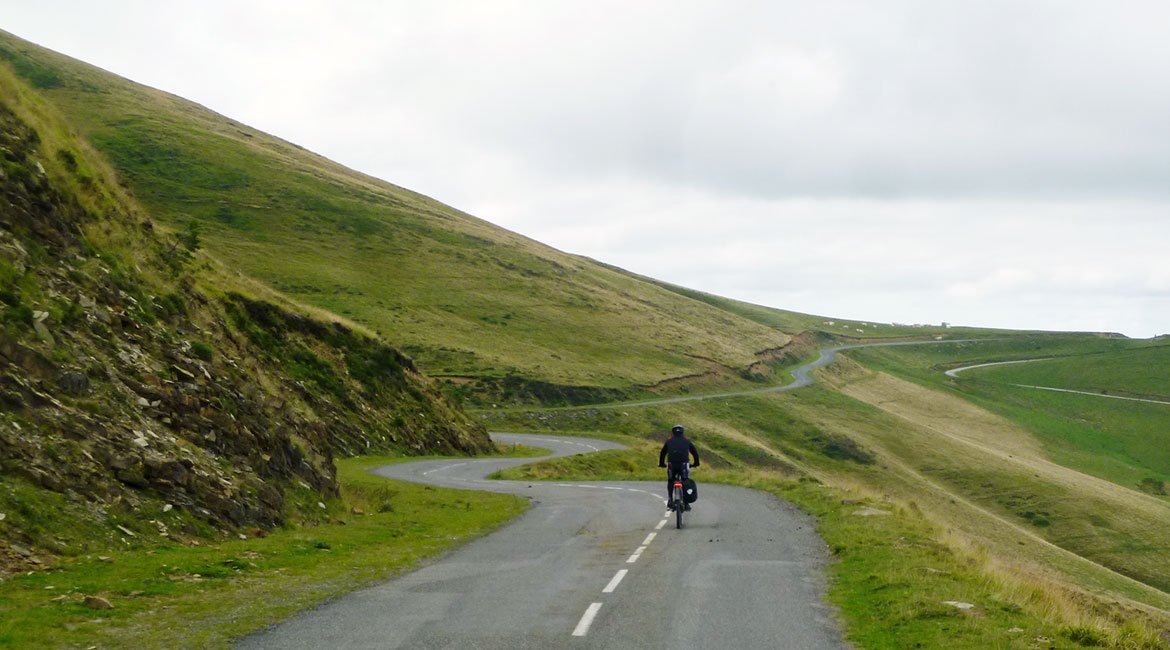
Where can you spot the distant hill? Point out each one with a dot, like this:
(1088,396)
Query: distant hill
(138,377)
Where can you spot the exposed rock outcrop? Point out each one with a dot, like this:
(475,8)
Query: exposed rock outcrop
(128,379)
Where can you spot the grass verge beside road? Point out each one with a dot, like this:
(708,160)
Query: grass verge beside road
(205,596)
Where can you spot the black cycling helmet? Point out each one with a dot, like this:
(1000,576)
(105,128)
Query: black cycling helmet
(676,430)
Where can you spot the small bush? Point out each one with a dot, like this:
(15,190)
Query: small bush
(1039,519)
(68,159)
(303,365)
(144,313)
(19,314)
(838,447)
(202,350)
(1152,486)
(227,216)
(172,305)
(39,75)
(70,311)
(189,238)
(1085,636)
(9,274)
(374,366)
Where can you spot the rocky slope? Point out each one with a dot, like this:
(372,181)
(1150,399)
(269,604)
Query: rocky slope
(138,379)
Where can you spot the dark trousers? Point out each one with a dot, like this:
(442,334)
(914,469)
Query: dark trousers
(680,471)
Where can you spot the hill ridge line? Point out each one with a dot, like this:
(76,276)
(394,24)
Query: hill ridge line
(802,376)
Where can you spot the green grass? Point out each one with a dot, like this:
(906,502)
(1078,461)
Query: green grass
(1120,441)
(610,465)
(926,363)
(38,515)
(1140,372)
(204,596)
(517,450)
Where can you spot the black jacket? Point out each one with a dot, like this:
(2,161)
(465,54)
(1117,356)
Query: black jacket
(677,449)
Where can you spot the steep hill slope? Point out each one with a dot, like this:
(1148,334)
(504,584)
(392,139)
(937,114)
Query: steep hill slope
(145,392)
(464,298)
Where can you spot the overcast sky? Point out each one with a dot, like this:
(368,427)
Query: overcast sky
(997,163)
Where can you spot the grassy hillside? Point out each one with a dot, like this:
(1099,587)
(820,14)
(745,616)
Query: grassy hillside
(1119,441)
(462,297)
(1124,441)
(148,397)
(1086,473)
(1138,372)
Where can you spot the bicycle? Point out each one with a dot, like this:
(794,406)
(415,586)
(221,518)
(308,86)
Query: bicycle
(677,500)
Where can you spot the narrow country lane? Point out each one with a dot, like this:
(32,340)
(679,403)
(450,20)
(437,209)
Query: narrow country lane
(592,564)
(595,564)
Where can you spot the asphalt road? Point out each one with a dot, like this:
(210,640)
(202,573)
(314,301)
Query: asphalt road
(593,565)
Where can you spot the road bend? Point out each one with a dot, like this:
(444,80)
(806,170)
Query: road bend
(592,565)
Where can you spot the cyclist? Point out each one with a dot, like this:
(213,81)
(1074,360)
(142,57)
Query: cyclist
(678,450)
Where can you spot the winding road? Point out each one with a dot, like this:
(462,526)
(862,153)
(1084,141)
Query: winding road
(595,564)
(592,565)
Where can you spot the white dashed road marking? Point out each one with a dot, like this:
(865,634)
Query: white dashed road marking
(440,469)
(617,579)
(586,620)
(565,442)
(637,554)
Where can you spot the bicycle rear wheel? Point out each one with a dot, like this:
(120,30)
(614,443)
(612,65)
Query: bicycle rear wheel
(678,508)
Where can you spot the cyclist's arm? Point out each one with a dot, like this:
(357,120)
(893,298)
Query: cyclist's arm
(695,453)
(662,455)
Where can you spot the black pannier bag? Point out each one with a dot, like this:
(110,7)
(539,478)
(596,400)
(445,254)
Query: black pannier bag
(690,490)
